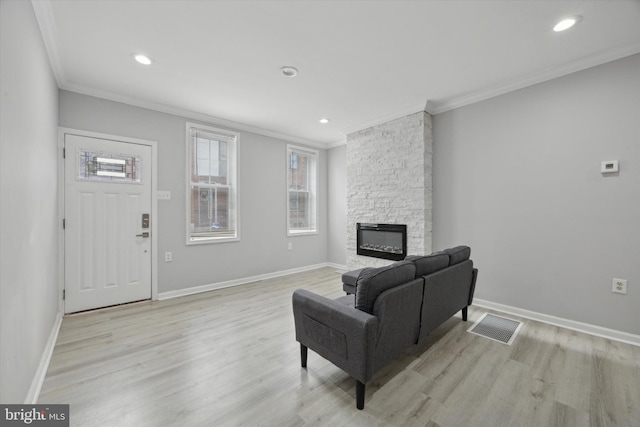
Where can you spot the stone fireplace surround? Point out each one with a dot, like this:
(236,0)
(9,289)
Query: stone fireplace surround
(389,180)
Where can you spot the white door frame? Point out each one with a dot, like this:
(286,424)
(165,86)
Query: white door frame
(62,131)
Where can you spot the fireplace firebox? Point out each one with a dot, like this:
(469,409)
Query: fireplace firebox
(387,241)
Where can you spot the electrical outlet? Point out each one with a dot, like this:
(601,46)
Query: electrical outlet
(168,257)
(290,246)
(619,286)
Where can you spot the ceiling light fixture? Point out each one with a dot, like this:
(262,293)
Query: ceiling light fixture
(289,71)
(142,59)
(566,23)
(324,120)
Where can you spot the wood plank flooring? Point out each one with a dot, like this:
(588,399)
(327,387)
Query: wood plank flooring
(229,358)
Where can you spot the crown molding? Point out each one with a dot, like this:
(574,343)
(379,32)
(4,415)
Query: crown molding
(337,143)
(46,21)
(532,79)
(188,114)
(397,114)
(47,24)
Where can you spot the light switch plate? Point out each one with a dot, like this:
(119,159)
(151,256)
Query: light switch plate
(164,195)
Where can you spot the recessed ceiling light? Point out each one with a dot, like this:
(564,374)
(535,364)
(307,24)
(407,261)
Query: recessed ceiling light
(566,23)
(289,71)
(324,120)
(142,59)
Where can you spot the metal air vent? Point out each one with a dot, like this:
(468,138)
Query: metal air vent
(496,328)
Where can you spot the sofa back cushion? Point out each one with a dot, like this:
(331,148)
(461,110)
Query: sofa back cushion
(427,264)
(374,281)
(445,292)
(458,254)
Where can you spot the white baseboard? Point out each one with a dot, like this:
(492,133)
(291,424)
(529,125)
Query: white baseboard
(339,267)
(236,282)
(38,379)
(573,325)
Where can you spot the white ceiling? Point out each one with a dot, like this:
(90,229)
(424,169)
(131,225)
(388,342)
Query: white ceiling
(360,62)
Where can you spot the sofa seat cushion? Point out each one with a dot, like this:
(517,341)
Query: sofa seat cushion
(427,264)
(458,254)
(350,277)
(349,280)
(374,281)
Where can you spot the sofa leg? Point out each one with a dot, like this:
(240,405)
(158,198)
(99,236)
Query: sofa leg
(464,314)
(359,395)
(303,355)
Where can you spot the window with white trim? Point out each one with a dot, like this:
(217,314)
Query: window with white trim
(212,186)
(302,166)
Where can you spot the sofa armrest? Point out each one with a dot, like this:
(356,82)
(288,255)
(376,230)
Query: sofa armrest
(341,334)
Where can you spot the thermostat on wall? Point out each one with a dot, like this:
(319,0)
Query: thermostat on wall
(609,166)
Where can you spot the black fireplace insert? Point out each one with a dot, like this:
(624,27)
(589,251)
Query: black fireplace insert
(387,241)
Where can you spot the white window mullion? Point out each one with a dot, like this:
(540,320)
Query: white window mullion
(212,174)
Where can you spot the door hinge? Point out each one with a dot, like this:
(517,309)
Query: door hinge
(64,294)
(64,223)
(64,153)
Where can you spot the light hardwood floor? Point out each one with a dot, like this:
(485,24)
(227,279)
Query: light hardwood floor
(229,358)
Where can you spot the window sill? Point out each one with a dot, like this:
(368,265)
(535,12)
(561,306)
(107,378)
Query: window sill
(293,233)
(211,240)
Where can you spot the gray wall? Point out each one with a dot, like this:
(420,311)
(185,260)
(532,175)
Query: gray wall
(337,207)
(517,177)
(263,245)
(28,197)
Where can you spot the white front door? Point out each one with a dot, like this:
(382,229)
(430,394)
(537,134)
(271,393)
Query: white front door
(107,212)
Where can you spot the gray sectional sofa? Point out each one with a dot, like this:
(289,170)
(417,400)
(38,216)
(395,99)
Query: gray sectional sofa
(393,308)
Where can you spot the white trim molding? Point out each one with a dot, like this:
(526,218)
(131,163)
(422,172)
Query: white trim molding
(237,282)
(395,114)
(45,359)
(186,114)
(47,24)
(46,21)
(434,107)
(573,325)
(342,268)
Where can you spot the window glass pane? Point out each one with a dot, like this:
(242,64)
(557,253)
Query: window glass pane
(298,173)
(108,167)
(301,185)
(298,209)
(209,211)
(212,187)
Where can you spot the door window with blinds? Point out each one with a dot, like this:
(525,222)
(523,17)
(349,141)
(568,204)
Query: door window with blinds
(212,187)
(302,165)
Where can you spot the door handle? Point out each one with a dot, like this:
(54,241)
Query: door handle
(145,234)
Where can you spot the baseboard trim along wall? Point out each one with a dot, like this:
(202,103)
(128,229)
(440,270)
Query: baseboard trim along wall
(573,325)
(38,379)
(527,314)
(242,281)
(41,373)
(338,267)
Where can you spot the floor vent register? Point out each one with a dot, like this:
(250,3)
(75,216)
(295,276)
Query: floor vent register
(496,328)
